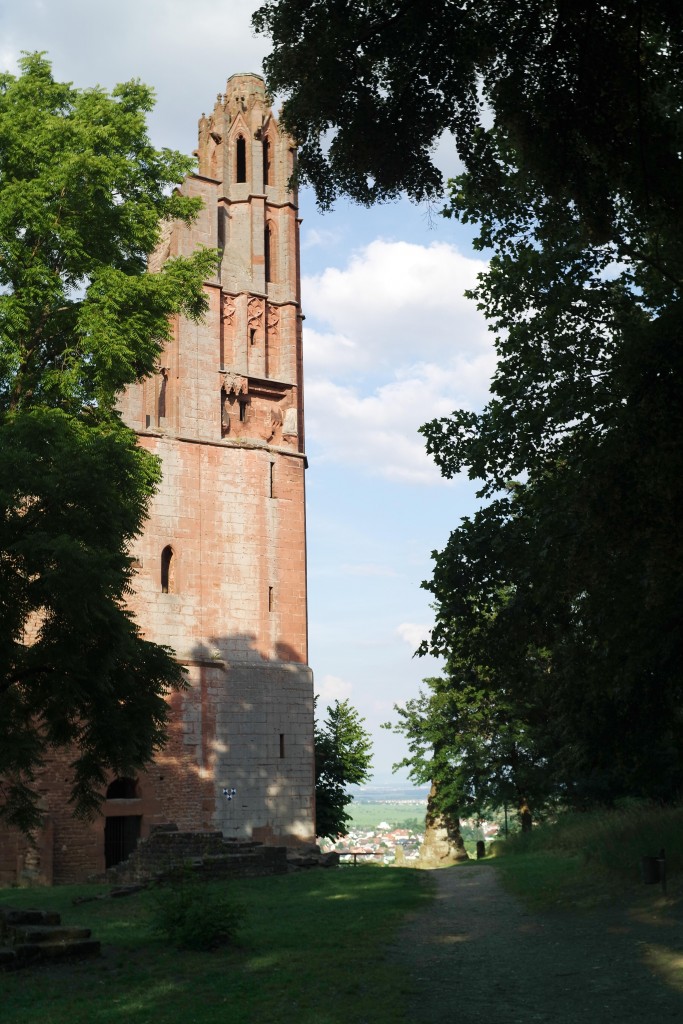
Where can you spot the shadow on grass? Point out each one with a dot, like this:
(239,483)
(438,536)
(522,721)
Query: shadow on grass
(311,950)
(621,913)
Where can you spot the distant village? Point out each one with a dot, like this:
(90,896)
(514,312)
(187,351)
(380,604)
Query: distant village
(386,844)
(379,845)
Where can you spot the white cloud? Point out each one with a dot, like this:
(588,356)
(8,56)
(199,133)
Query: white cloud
(319,237)
(329,353)
(9,60)
(185,49)
(398,301)
(413,633)
(332,688)
(379,431)
(392,342)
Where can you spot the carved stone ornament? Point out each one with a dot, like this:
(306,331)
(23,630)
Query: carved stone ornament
(273,321)
(229,310)
(290,425)
(255,313)
(234,383)
(272,423)
(161,253)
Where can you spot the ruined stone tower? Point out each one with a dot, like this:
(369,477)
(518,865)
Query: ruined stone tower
(222,564)
(221,568)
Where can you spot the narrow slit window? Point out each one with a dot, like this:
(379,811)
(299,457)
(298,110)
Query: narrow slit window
(225,414)
(161,405)
(270,599)
(268,252)
(271,480)
(266,161)
(222,224)
(167,571)
(282,744)
(243,412)
(241,159)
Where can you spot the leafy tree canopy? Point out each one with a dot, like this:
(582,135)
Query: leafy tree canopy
(558,605)
(585,92)
(342,758)
(82,195)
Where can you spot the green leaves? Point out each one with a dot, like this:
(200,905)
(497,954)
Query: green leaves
(73,666)
(558,606)
(82,195)
(342,758)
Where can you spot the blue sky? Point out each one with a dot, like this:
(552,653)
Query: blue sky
(390,342)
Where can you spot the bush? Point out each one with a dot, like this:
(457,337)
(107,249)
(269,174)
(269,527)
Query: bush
(192,915)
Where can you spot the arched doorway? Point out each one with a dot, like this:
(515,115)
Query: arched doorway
(121,830)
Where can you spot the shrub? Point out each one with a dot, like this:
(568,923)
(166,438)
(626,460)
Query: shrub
(192,915)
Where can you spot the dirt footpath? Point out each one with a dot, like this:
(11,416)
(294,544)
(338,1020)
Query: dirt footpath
(475,955)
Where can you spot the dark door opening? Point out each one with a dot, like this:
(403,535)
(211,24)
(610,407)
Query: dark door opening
(121,836)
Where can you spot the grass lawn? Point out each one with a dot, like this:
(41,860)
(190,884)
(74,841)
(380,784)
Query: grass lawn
(311,952)
(591,858)
(369,815)
(551,881)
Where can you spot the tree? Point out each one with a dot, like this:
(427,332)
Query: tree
(477,753)
(585,92)
(342,758)
(82,195)
(569,120)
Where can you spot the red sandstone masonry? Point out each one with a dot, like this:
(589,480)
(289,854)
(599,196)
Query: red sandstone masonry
(224,414)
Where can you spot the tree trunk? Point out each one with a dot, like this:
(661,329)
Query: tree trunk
(443,844)
(525,815)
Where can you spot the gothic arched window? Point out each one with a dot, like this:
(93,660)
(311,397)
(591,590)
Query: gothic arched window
(241,159)
(266,162)
(167,571)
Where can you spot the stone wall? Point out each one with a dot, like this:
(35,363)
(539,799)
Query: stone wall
(207,855)
(221,566)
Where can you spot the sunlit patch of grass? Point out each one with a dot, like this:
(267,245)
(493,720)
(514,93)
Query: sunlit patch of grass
(667,964)
(615,839)
(585,859)
(311,951)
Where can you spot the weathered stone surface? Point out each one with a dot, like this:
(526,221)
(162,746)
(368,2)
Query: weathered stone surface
(35,933)
(8,958)
(11,917)
(207,855)
(221,567)
(311,857)
(30,939)
(75,949)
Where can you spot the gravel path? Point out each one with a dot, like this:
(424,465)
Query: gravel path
(475,955)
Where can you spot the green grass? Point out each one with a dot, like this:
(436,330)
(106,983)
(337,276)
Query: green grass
(311,951)
(551,881)
(586,859)
(369,815)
